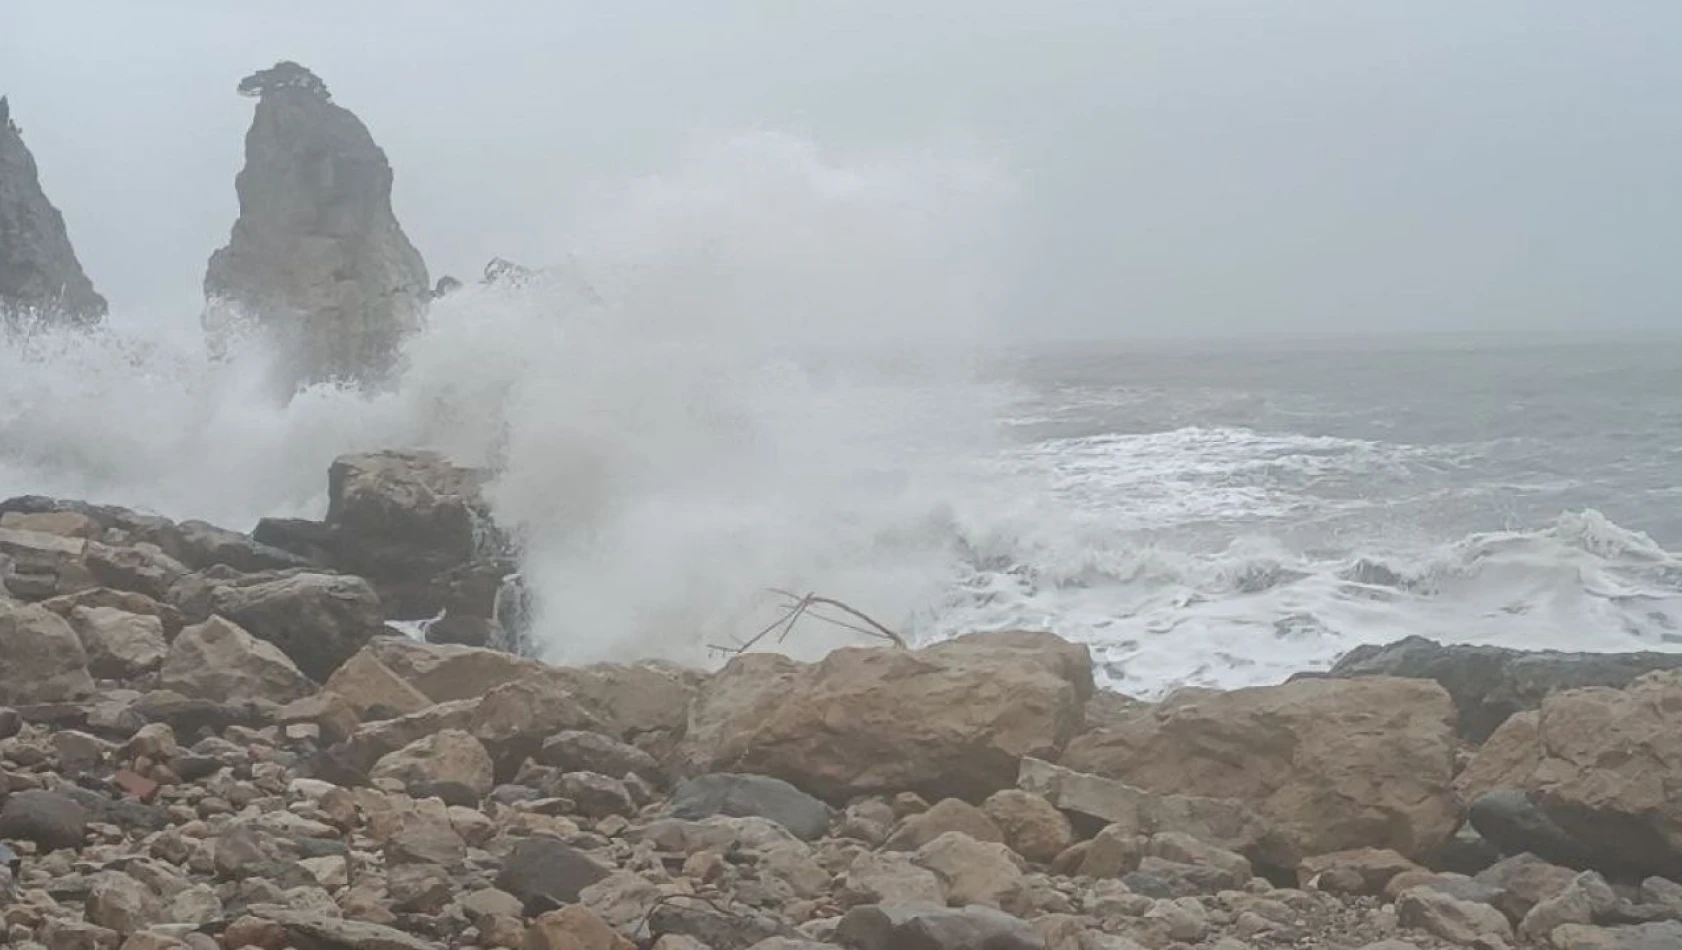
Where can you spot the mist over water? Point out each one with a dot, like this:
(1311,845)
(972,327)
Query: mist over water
(772,366)
(756,370)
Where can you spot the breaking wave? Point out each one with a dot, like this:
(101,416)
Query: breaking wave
(764,369)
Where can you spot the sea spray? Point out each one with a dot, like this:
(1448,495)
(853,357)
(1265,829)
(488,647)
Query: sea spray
(770,383)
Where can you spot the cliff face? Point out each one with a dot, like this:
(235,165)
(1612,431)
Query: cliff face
(316,259)
(40,278)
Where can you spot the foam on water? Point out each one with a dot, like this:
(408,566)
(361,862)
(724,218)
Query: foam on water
(756,371)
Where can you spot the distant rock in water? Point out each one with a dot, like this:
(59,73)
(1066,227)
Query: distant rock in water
(316,262)
(41,281)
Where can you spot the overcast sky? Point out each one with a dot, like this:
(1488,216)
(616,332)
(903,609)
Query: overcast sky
(1183,167)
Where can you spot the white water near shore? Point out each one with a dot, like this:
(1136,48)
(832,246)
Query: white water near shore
(775,380)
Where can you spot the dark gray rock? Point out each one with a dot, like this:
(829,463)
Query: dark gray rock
(316,259)
(1512,821)
(319,620)
(750,796)
(545,874)
(50,820)
(1489,684)
(201,545)
(10,722)
(579,751)
(41,281)
(1468,852)
(927,927)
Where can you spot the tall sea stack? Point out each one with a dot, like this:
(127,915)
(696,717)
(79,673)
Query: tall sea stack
(41,282)
(317,262)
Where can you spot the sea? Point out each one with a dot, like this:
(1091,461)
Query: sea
(765,375)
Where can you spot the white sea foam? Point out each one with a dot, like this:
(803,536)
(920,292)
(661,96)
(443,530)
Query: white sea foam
(756,371)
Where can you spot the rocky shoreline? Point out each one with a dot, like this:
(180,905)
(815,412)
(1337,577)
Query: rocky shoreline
(210,739)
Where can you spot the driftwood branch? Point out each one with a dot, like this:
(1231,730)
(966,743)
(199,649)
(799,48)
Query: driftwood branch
(801,605)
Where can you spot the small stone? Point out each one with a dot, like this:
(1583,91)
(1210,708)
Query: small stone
(950,814)
(488,901)
(888,877)
(135,786)
(573,928)
(1182,919)
(121,903)
(976,872)
(596,795)
(79,752)
(331,872)
(1032,826)
(419,888)
(1114,851)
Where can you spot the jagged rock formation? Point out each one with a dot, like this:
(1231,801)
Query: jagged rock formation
(41,281)
(316,261)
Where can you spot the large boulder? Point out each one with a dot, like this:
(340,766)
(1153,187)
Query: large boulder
(37,565)
(41,658)
(318,619)
(218,661)
(622,700)
(451,756)
(951,720)
(1332,764)
(416,525)
(316,261)
(120,645)
(1490,683)
(1601,766)
(1106,802)
(41,281)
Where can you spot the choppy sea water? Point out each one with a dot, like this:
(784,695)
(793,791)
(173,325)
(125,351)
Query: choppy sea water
(670,447)
(1247,512)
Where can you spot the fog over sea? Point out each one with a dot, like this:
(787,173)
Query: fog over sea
(768,368)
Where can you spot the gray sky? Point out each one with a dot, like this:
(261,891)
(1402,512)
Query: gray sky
(1184,166)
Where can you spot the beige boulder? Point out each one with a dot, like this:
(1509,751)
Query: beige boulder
(976,872)
(41,658)
(1332,764)
(449,756)
(366,684)
(574,927)
(38,565)
(1601,763)
(948,814)
(954,719)
(219,661)
(65,524)
(1458,921)
(1223,822)
(620,700)
(120,645)
(1032,826)
(124,600)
